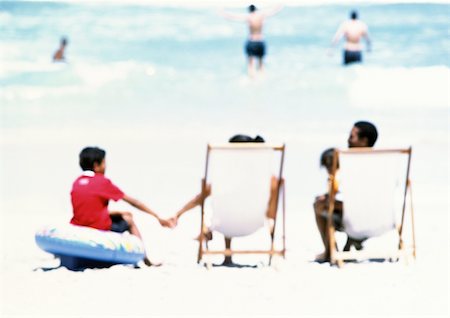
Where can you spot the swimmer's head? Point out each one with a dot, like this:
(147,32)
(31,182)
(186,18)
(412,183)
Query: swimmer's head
(251,8)
(354,15)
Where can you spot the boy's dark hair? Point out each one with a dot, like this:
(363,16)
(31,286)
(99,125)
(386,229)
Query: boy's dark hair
(326,159)
(354,15)
(245,138)
(251,8)
(89,156)
(367,130)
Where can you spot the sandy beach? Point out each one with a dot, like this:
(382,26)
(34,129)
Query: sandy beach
(292,287)
(154,117)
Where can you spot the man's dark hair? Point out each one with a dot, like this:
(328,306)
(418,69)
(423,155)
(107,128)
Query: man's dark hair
(326,159)
(251,8)
(354,15)
(245,138)
(367,130)
(89,156)
(64,41)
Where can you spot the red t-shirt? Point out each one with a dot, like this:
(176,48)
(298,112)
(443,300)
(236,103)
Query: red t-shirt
(90,195)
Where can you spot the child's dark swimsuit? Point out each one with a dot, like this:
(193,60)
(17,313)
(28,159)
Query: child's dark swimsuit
(119,224)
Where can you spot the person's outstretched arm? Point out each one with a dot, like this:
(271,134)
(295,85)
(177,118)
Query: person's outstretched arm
(336,38)
(232,16)
(368,41)
(273,11)
(194,202)
(141,206)
(338,35)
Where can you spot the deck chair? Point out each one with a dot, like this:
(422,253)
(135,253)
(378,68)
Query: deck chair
(374,185)
(239,175)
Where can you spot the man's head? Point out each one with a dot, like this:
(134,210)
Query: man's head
(363,134)
(63,41)
(92,158)
(354,15)
(245,138)
(251,8)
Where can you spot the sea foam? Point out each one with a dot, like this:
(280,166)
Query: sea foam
(417,87)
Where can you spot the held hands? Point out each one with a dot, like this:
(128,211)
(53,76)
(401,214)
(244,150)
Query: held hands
(174,220)
(170,223)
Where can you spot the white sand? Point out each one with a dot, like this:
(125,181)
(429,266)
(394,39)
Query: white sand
(291,288)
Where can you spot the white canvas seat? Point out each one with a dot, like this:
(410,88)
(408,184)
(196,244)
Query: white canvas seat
(240,183)
(239,175)
(373,185)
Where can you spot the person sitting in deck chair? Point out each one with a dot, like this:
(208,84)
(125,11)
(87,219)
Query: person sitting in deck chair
(362,134)
(199,198)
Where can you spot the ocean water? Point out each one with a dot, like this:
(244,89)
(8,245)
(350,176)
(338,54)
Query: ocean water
(168,59)
(154,84)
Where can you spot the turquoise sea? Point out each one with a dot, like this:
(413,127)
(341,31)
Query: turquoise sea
(155,59)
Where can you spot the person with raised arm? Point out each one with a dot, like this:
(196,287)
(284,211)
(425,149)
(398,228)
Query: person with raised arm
(353,30)
(255,46)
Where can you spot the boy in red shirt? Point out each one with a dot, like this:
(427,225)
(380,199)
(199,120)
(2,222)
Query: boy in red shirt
(91,193)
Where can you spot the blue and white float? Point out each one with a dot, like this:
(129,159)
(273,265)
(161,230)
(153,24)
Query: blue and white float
(72,243)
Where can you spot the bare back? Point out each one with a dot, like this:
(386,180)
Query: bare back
(255,23)
(353,31)
(59,55)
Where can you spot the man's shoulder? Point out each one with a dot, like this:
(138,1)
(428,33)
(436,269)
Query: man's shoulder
(362,25)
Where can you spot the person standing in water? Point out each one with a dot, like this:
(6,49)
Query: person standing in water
(354,30)
(59,54)
(255,46)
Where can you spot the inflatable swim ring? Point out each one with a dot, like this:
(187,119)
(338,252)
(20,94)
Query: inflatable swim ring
(92,244)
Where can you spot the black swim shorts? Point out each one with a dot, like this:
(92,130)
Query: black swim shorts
(352,57)
(255,48)
(119,224)
(337,219)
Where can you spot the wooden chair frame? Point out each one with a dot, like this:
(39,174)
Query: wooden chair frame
(203,246)
(338,257)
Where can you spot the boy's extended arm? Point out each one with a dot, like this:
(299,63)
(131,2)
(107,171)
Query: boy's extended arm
(141,206)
